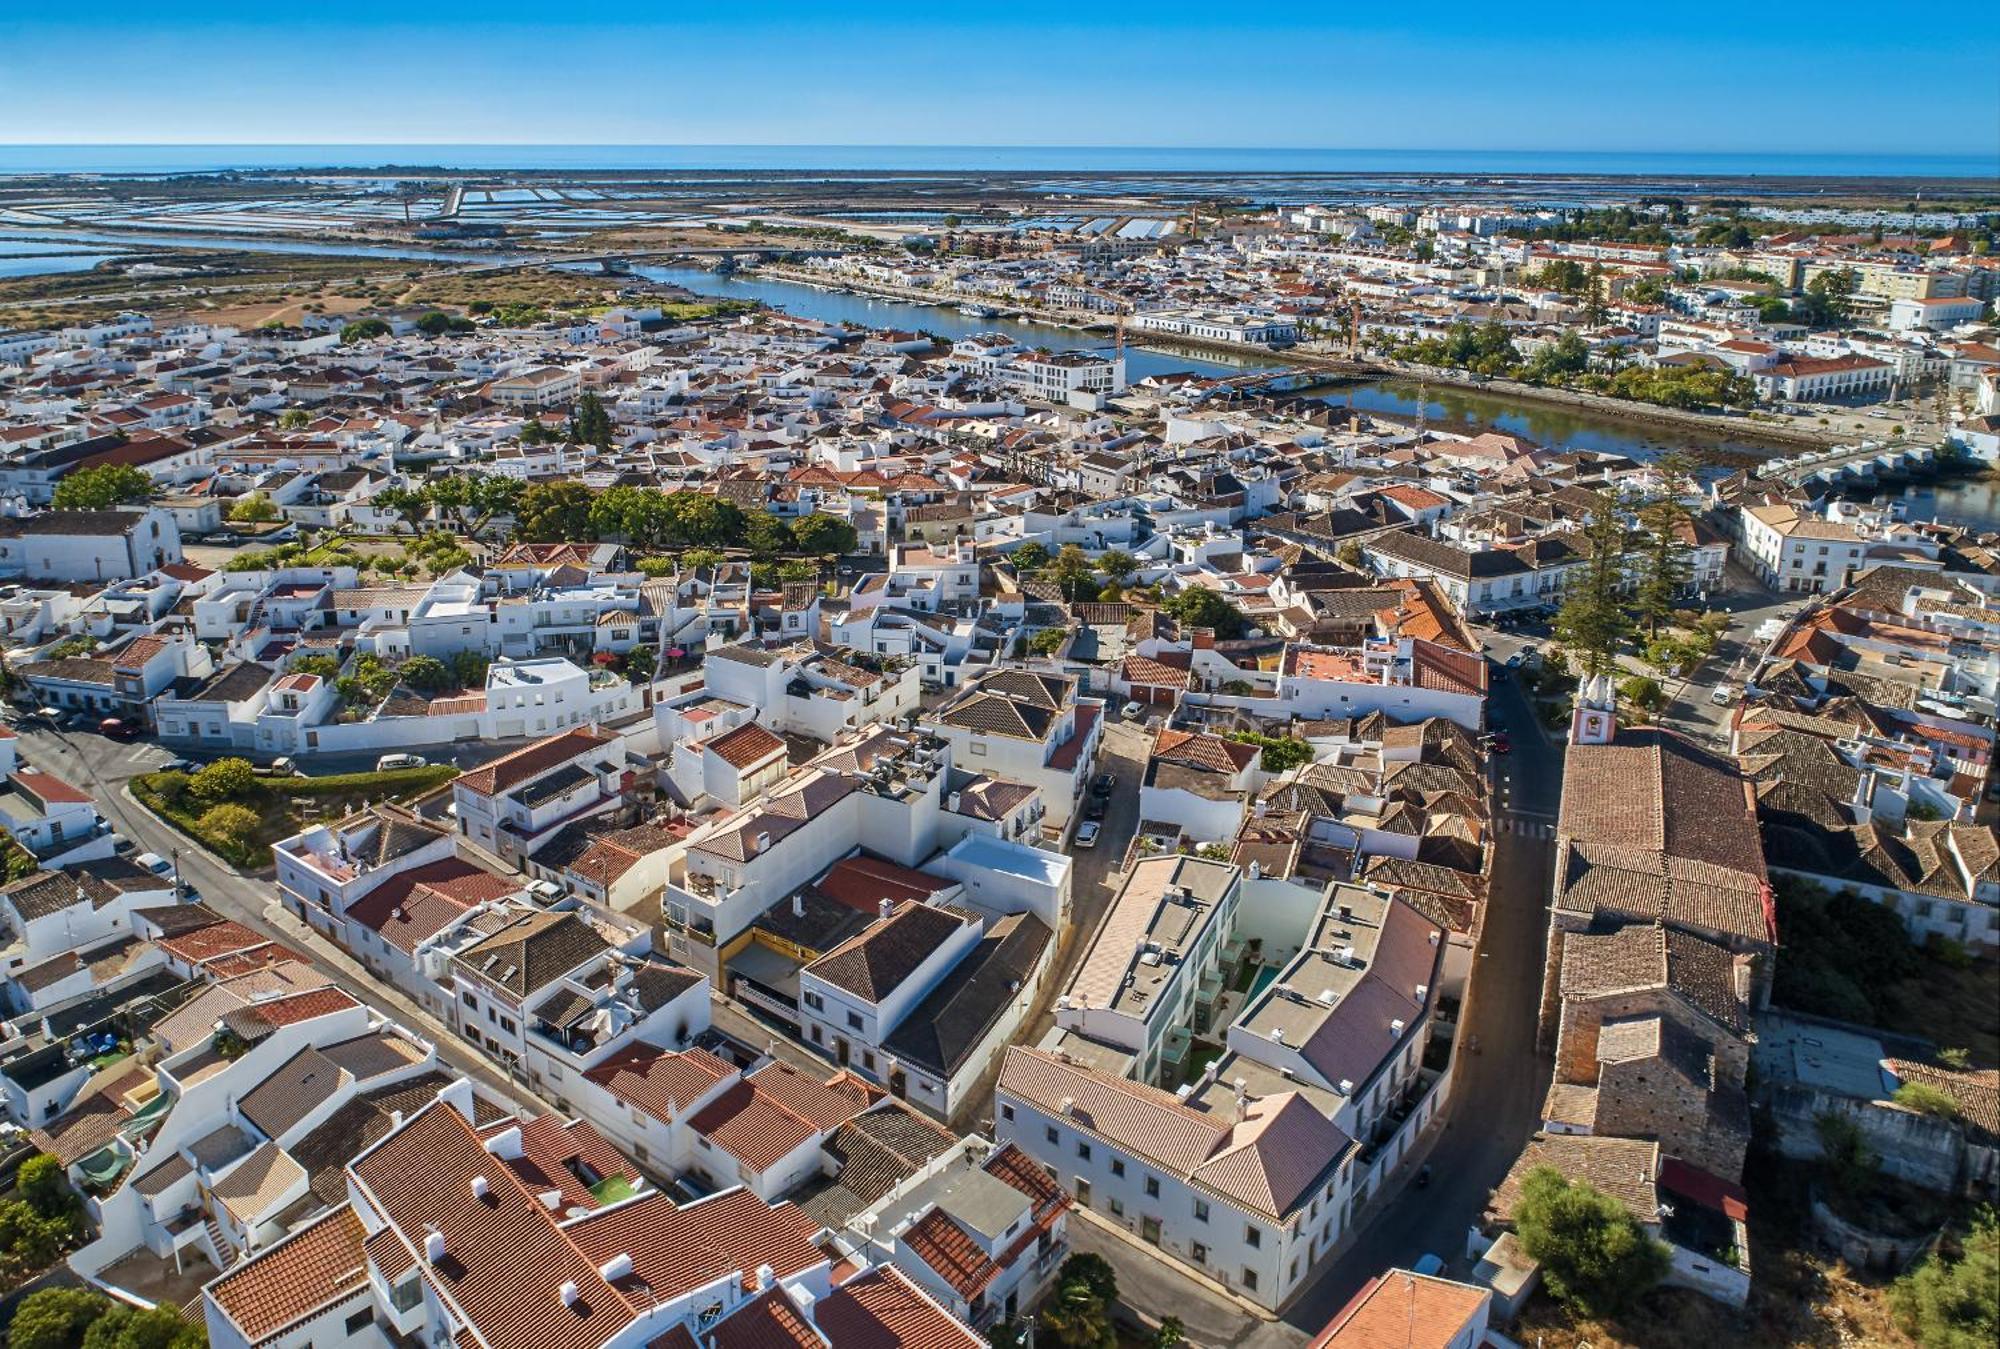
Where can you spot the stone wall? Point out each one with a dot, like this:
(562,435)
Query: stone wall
(1647,1098)
(1581,1018)
(1918,1148)
(1862,1248)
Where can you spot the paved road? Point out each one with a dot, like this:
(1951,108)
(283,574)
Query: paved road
(1094,879)
(102,767)
(1497,1101)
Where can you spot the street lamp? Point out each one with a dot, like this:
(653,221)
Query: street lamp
(174,855)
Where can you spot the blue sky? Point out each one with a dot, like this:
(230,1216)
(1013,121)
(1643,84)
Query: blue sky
(1834,77)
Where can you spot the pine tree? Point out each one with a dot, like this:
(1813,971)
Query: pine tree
(1592,620)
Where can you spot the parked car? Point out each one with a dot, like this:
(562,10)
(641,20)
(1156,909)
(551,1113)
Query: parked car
(1133,711)
(1086,834)
(282,767)
(118,728)
(1428,1264)
(154,863)
(1723,695)
(389,761)
(1096,809)
(176,766)
(1500,744)
(1104,785)
(119,843)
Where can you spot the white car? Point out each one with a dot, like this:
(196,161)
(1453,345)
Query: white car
(1086,834)
(154,863)
(1723,695)
(391,761)
(1133,712)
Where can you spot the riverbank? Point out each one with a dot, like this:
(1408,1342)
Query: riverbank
(1721,426)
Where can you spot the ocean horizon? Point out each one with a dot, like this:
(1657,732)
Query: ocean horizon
(223,158)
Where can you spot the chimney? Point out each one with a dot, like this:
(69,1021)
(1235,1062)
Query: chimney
(506,1144)
(763,841)
(479,1188)
(1204,639)
(618,1267)
(570,1292)
(799,904)
(1256,870)
(1740,974)
(433,1246)
(951,803)
(884,907)
(764,1276)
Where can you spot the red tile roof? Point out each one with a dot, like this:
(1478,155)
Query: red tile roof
(310,1269)
(531,761)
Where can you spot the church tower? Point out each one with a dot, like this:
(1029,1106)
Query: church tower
(1595,720)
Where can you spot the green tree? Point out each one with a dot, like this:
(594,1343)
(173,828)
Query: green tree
(1282,756)
(554,512)
(1170,1333)
(765,535)
(96,489)
(409,504)
(427,674)
(1594,1255)
(1029,557)
(294,419)
(1846,1155)
(640,664)
(468,669)
(55,1318)
(1093,1271)
(361,330)
(1072,571)
(1077,1318)
(699,519)
(224,780)
(128,1327)
(589,423)
(228,823)
(1199,607)
(1048,641)
(1116,564)
(1592,621)
(697,559)
(255,508)
(1826,301)
(796,572)
(1955,1304)
(471,500)
(824,535)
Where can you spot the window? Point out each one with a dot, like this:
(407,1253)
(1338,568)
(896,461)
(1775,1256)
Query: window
(817,1038)
(1051,1134)
(1117,1208)
(1201,1210)
(1007,1112)
(1250,1278)
(854,1021)
(1152,1187)
(868,1060)
(1117,1166)
(814,1001)
(1253,1235)
(1197,1252)
(1082,1151)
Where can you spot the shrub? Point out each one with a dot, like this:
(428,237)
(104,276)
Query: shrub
(1955,1304)
(228,824)
(223,780)
(1925,1099)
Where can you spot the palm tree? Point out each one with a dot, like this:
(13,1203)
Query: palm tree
(1077,1318)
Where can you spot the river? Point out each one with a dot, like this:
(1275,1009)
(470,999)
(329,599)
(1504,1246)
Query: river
(1969,501)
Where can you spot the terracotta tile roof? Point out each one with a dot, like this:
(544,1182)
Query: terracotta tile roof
(776,1111)
(531,951)
(420,1177)
(882,1309)
(531,761)
(1402,1310)
(748,744)
(862,883)
(768,1321)
(312,1268)
(676,1249)
(659,1081)
(874,963)
(412,906)
(207,943)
